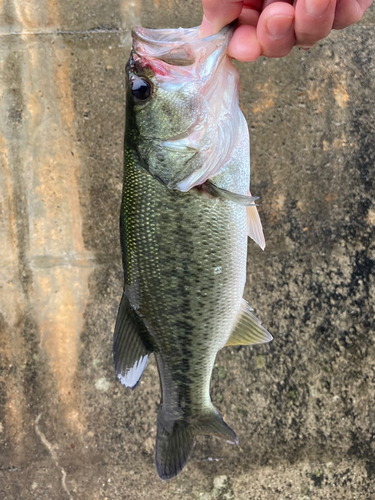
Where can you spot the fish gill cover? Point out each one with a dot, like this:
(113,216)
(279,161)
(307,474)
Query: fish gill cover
(179,59)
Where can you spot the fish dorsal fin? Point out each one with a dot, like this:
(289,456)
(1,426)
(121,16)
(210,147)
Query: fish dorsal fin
(248,329)
(254,226)
(240,199)
(129,350)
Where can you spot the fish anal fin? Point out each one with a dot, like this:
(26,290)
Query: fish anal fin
(130,352)
(248,329)
(254,226)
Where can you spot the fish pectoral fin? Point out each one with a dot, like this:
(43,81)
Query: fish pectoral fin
(254,226)
(130,353)
(219,192)
(248,329)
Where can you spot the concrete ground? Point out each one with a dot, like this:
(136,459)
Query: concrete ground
(303,406)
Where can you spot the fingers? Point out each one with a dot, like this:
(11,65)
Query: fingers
(217,14)
(349,12)
(271,27)
(275,30)
(249,15)
(313,20)
(272,35)
(244,45)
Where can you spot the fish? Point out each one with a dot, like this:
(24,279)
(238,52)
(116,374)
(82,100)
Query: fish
(186,214)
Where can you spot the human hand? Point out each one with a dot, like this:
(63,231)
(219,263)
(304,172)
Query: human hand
(271,28)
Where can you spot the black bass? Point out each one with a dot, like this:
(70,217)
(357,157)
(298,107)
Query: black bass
(185,217)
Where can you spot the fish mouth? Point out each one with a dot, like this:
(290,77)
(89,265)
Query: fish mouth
(163,36)
(174,36)
(178,57)
(178,47)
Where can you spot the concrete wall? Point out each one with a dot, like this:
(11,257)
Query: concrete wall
(303,406)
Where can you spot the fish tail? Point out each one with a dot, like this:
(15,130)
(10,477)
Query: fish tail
(174,444)
(175,439)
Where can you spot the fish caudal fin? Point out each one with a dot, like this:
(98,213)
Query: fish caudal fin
(174,444)
(254,226)
(175,440)
(129,350)
(214,424)
(248,329)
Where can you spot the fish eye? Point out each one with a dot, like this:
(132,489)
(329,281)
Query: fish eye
(141,88)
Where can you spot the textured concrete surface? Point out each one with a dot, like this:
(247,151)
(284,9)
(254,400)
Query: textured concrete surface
(303,407)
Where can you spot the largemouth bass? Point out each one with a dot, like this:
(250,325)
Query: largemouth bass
(185,217)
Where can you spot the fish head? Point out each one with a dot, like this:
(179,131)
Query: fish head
(182,104)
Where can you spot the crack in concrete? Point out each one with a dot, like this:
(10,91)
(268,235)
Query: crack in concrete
(68,32)
(46,262)
(53,454)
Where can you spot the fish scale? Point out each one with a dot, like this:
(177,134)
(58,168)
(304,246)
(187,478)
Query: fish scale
(184,250)
(174,244)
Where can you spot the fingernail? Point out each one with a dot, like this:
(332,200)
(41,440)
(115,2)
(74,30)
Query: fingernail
(206,28)
(279,26)
(316,8)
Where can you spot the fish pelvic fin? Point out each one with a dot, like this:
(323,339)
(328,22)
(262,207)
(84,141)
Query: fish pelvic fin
(254,225)
(248,329)
(130,352)
(175,439)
